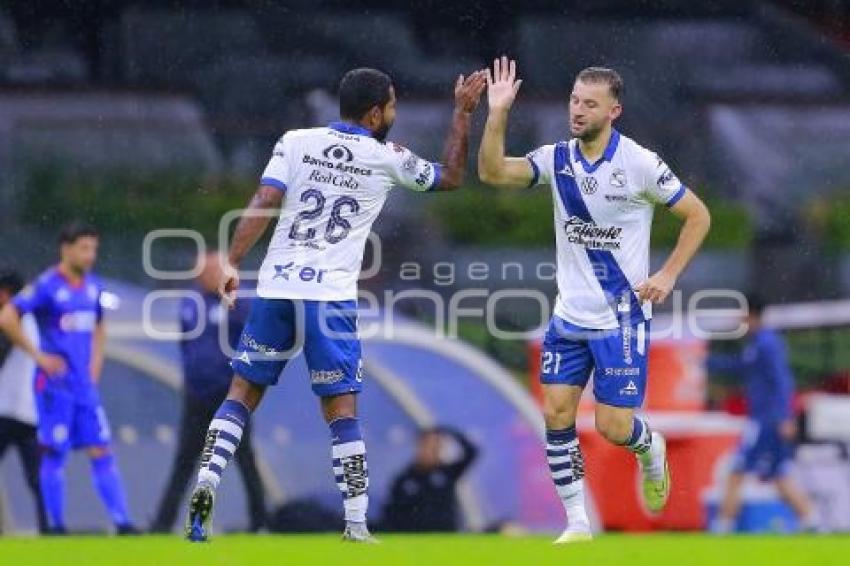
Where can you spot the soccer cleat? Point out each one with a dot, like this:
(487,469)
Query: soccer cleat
(573,535)
(199,519)
(656,475)
(127,529)
(56,531)
(358,532)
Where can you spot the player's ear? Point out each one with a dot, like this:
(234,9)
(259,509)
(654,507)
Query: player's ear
(374,116)
(616,111)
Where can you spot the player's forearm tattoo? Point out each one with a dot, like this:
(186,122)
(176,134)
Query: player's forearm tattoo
(457,148)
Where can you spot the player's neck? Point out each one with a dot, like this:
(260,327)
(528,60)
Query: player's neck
(593,149)
(73,276)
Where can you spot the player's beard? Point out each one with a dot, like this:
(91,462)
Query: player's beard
(591,132)
(381,133)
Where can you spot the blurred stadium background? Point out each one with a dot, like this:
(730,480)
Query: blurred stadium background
(141,115)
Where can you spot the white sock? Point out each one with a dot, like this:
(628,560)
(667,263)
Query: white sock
(350,468)
(566,465)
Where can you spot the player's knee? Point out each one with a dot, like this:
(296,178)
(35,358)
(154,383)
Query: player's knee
(96,452)
(339,407)
(245,392)
(557,416)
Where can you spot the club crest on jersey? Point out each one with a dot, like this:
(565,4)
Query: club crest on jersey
(338,152)
(588,185)
(618,178)
(410,164)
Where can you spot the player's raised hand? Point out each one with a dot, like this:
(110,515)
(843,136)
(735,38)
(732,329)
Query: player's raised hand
(502,84)
(656,288)
(468,91)
(229,284)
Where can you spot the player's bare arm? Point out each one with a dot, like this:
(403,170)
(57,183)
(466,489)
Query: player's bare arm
(10,325)
(254,221)
(494,168)
(697,221)
(97,352)
(467,95)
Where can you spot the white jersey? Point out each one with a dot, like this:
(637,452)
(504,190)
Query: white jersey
(17,400)
(603,218)
(336,180)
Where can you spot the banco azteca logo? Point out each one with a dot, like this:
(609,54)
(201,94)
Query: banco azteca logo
(338,152)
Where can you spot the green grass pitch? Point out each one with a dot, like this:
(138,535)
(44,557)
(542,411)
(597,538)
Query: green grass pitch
(466,550)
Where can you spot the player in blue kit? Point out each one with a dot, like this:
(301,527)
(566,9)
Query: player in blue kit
(767,445)
(65,302)
(327,186)
(605,188)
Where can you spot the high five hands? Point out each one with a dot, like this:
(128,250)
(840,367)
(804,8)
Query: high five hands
(468,91)
(502,84)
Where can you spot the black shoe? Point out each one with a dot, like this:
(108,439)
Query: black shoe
(128,530)
(56,532)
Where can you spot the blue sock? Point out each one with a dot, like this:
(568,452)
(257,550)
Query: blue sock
(107,480)
(52,483)
(640,440)
(223,439)
(350,470)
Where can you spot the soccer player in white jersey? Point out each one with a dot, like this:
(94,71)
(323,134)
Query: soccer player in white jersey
(605,187)
(329,184)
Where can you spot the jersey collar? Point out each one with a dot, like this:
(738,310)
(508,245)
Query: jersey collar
(348,128)
(607,155)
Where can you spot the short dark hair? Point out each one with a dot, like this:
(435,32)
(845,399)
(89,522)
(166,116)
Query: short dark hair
(362,89)
(11,281)
(604,75)
(755,304)
(75,230)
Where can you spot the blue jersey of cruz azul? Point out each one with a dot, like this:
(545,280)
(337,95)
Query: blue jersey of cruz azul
(67,314)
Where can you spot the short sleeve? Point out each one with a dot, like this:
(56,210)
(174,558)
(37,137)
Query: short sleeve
(661,185)
(542,162)
(32,298)
(277,172)
(188,314)
(98,307)
(409,170)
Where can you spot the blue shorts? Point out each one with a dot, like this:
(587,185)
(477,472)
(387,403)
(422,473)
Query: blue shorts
(66,421)
(277,329)
(616,358)
(763,452)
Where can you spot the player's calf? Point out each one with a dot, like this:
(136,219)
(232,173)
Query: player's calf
(650,449)
(223,437)
(566,464)
(352,475)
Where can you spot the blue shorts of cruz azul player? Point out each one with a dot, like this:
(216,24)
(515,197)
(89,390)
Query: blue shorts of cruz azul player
(763,451)
(69,419)
(277,329)
(616,358)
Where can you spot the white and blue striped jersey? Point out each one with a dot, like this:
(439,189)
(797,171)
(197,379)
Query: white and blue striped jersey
(603,218)
(336,181)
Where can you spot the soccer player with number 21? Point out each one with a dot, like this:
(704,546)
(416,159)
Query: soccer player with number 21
(605,188)
(329,185)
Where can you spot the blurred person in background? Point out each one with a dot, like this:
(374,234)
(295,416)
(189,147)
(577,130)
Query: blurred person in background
(17,405)
(767,445)
(423,496)
(66,304)
(206,378)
